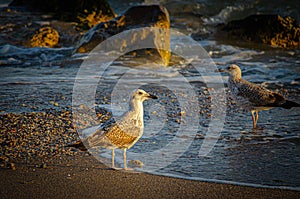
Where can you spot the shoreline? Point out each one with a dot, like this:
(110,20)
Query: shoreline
(82,176)
(235,183)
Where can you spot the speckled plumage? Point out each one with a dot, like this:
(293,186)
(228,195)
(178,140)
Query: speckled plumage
(122,133)
(253,97)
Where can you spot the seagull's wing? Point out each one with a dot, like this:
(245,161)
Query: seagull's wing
(125,132)
(121,134)
(258,95)
(96,138)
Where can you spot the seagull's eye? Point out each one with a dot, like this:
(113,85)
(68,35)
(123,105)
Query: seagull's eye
(140,93)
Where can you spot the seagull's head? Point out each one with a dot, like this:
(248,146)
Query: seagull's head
(233,71)
(141,95)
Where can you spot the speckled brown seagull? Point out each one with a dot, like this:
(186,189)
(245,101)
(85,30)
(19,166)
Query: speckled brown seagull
(124,132)
(253,97)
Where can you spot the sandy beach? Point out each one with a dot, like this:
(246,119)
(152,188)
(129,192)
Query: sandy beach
(82,176)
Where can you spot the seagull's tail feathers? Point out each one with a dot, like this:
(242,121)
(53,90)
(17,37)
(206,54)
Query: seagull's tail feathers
(289,104)
(78,145)
(280,101)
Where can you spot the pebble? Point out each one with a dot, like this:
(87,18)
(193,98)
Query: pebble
(13,166)
(182,113)
(43,166)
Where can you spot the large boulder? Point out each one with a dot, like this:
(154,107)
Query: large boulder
(151,16)
(269,29)
(31,30)
(86,12)
(33,23)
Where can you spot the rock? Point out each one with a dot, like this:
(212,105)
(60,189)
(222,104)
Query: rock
(153,16)
(45,37)
(86,12)
(269,29)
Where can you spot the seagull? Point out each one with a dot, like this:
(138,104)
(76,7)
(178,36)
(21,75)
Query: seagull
(122,133)
(253,97)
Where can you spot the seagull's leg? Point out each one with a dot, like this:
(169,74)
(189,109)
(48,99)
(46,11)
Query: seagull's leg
(254,119)
(124,155)
(113,158)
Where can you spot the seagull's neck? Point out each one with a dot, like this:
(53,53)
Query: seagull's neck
(235,77)
(233,81)
(137,107)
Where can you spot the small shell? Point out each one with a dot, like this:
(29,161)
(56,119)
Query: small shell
(135,163)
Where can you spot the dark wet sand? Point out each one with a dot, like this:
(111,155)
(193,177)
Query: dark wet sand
(81,176)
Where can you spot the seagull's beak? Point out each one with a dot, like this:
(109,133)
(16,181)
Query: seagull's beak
(151,96)
(220,70)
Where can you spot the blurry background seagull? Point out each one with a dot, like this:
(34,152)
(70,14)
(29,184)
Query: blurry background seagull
(121,133)
(253,97)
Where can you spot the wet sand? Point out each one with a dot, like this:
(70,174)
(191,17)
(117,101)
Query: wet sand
(81,176)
